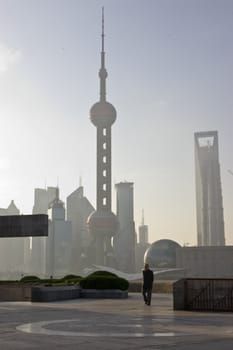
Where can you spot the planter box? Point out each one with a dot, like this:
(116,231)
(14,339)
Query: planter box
(104,293)
(54,293)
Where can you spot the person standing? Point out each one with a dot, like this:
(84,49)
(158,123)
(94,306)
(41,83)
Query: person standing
(148,278)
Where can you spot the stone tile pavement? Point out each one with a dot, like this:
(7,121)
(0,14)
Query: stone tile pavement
(112,324)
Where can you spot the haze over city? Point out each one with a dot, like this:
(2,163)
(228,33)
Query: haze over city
(170,74)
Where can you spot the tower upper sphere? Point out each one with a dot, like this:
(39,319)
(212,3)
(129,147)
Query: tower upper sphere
(102,113)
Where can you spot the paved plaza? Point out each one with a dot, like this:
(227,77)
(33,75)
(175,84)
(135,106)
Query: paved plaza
(112,324)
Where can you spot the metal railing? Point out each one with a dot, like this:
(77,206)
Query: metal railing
(209,294)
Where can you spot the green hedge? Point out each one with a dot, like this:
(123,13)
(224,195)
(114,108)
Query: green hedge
(104,282)
(102,273)
(9,282)
(66,280)
(29,279)
(70,279)
(96,280)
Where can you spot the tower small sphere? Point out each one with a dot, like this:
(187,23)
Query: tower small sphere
(103,74)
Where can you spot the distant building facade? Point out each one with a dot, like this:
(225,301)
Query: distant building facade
(59,241)
(143,231)
(10,210)
(124,242)
(206,262)
(13,251)
(42,200)
(209,205)
(78,210)
(142,245)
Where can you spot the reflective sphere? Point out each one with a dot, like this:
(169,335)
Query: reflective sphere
(162,254)
(103,114)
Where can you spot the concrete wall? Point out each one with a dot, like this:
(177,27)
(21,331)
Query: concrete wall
(206,262)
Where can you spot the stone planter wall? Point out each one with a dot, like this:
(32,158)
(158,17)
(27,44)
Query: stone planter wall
(15,292)
(53,293)
(104,293)
(56,293)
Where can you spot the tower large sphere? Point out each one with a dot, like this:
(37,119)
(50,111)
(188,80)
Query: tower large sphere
(102,223)
(102,114)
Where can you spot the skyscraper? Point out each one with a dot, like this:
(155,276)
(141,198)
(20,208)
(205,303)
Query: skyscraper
(102,223)
(209,207)
(59,241)
(13,251)
(143,231)
(42,198)
(142,245)
(124,242)
(78,210)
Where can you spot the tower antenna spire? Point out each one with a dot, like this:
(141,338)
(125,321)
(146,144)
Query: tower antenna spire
(80,181)
(102,29)
(102,72)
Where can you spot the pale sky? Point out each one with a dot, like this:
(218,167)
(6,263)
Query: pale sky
(170,74)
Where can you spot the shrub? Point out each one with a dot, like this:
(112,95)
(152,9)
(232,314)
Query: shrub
(30,279)
(69,280)
(102,273)
(70,277)
(72,281)
(50,281)
(104,282)
(8,282)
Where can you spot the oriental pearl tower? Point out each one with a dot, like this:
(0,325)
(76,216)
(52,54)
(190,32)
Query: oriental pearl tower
(102,223)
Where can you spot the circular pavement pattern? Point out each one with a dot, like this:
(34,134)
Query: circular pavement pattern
(131,327)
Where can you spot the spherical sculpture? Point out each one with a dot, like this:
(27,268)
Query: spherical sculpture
(162,254)
(103,114)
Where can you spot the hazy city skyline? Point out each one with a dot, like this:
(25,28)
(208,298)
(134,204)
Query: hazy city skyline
(170,66)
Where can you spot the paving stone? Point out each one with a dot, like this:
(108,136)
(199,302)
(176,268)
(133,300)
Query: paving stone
(112,324)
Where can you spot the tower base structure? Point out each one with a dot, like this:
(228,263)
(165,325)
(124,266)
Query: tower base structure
(102,226)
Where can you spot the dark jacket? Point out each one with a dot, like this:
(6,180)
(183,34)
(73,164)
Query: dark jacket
(148,278)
